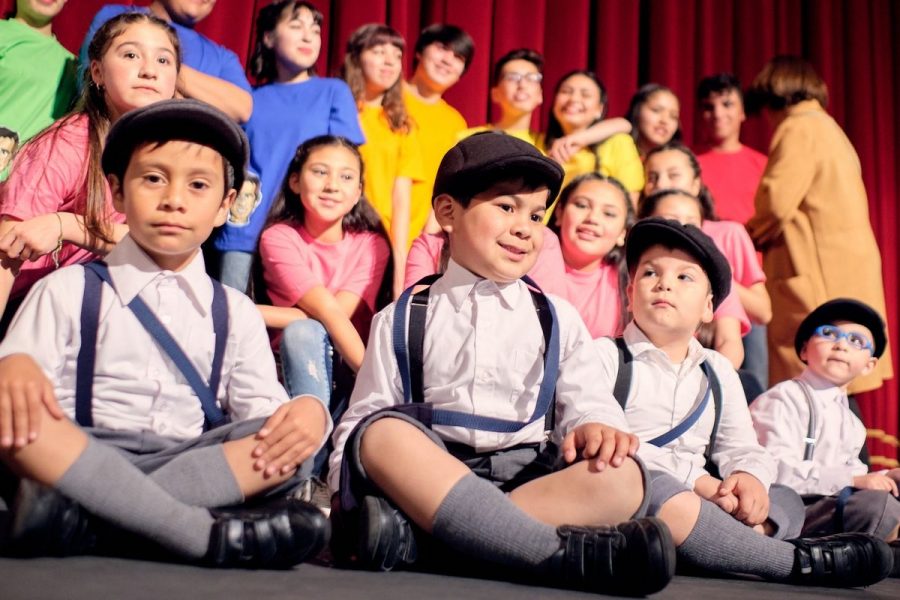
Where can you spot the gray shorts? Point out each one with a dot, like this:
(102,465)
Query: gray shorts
(868,511)
(149,451)
(785,506)
(507,469)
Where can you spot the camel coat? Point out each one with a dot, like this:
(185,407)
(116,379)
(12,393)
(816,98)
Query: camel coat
(812,226)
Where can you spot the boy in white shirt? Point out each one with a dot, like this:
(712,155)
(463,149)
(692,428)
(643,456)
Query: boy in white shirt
(680,399)
(131,438)
(447,426)
(807,425)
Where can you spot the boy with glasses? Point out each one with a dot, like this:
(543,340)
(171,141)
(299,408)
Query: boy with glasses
(516,89)
(806,423)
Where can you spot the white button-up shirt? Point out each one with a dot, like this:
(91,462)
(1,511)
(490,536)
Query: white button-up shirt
(483,355)
(137,387)
(663,394)
(781,419)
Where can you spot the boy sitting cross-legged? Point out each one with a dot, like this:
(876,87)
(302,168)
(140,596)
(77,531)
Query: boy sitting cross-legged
(807,425)
(447,425)
(143,393)
(687,406)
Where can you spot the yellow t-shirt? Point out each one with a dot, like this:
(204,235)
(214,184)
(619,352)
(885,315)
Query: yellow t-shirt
(522,134)
(438,125)
(387,155)
(618,157)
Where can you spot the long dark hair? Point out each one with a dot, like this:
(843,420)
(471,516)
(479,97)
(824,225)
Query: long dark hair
(554,128)
(638,100)
(616,256)
(360,40)
(288,208)
(262,62)
(92,103)
(704,196)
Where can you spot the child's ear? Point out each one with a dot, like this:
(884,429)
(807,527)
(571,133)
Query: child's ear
(870,365)
(269,39)
(118,198)
(96,74)
(708,311)
(803,358)
(443,212)
(225,207)
(629,295)
(294,183)
(620,241)
(496,96)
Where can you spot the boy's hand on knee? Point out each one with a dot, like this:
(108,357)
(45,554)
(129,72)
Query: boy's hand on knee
(604,444)
(752,498)
(24,392)
(290,436)
(876,481)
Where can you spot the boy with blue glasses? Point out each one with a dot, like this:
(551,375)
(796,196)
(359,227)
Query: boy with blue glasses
(806,423)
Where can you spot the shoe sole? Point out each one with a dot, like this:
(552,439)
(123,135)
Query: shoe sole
(381,543)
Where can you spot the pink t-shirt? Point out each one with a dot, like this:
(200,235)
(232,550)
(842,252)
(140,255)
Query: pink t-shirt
(733,177)
(294,262)
(425,258)
(735,243)
(596,296)
(731,307)
(49,175)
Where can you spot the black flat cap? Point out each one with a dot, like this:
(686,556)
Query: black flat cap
(480,160)
(176,119)
(672,234)
(843,309)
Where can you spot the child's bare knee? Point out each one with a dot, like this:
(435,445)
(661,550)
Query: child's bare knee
(384,435)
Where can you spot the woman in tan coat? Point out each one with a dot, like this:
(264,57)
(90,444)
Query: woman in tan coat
(812,215)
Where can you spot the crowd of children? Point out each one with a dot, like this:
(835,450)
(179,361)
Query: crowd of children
(532,349)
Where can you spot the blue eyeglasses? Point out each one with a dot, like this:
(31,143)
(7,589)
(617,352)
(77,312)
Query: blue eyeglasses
(833,334)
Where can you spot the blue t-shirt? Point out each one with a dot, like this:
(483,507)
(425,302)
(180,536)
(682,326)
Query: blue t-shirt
(197,51)
(284,116)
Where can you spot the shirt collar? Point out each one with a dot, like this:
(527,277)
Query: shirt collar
(639,343)
(458,283)
(821,385)
(132,270)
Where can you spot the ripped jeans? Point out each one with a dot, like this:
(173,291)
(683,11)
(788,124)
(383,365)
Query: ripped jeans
(307,358)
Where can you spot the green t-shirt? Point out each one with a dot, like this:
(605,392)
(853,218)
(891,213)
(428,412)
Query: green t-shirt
(37,79)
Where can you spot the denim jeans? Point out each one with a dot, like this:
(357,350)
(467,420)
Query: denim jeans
(756,355)
(307,358)
(234,270)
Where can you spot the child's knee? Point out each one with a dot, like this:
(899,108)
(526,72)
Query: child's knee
(383,436)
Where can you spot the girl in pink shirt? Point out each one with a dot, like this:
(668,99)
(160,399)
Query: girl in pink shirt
(323,256)
(592,217)
(56,208)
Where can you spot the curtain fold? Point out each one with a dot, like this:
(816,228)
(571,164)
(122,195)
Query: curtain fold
(854,45)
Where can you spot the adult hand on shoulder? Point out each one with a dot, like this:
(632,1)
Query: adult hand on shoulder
(752,498)
(603,444)
(31,239)
(289,436)
(24,391)
(877,481)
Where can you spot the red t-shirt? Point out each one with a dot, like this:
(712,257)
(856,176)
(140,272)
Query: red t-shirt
(733,177)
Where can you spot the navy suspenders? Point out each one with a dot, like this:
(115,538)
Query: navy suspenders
(95,274)
(409,350)
(713,388)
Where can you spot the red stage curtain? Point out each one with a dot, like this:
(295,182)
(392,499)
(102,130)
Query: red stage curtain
(854,45)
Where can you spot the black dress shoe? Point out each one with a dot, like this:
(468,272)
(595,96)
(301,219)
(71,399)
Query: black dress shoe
(841,560)
(386,537)
(43,522)
(895,550)
(633,558)
(276,536)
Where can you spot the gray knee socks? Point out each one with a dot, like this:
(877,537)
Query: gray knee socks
(200,477)
(109,486)
(721,543)
(478,519)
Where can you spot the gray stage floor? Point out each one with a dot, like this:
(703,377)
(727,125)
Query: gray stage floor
(89,578)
